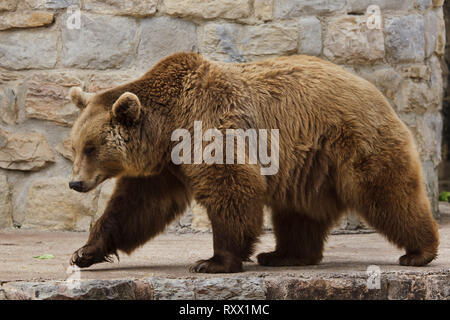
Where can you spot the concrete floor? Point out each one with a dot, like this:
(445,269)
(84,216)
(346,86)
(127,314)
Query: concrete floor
(170,256)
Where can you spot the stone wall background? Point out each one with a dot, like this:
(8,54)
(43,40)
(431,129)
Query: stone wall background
(444,166)
(42,56)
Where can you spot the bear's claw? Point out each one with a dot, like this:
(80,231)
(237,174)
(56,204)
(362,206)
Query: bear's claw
(214,266)
(87,256)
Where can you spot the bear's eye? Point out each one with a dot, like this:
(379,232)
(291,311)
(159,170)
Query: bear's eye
(89,150)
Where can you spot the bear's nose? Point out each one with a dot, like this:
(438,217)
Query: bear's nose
(76,185)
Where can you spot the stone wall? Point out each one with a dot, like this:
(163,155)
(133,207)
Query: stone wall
(444,167)
(45,49)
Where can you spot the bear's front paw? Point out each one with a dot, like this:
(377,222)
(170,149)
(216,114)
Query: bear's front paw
(87,256)
(217,265)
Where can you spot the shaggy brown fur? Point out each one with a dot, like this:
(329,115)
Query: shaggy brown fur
(341,147)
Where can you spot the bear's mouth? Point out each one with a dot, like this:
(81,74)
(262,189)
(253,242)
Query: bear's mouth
(88,186)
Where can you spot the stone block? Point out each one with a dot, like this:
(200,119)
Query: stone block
(5,203)
(405,40)
(25,19)
(285,9)
(51,4)
(310,42)
(8,5)
(263,9)
(51,205)
(136,8)
(350,40)
(25,151)
(228,9)
(28,49)
(47,97)
(100,42)
(163,36)
(233,42)
(9,111)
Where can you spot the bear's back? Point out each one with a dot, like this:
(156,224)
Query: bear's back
(309,96)
(314,84)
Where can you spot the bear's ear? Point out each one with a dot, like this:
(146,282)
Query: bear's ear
(127,109)
(78,97)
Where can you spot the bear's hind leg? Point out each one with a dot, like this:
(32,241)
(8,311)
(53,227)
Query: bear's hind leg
(299,240)
(405,218)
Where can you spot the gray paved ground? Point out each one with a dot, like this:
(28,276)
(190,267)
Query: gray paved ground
(165,261)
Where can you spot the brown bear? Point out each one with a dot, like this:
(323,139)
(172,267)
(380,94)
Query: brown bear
(341,147)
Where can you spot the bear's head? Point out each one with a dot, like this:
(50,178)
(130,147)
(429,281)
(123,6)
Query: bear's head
(103,137)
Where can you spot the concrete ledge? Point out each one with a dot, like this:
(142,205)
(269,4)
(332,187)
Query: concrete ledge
(159,270)
(433,286)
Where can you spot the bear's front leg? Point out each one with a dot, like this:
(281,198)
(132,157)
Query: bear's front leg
(97,249)
(234,202)
(139,209)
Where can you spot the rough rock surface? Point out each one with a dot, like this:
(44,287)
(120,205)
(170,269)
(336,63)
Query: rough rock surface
(162,36)
(26,49)
(137,8)
(331,287)
(233,42)
(228,9)
(26,151)
(25,20)
(350,41)
(5,203)
(51,205)
(101,42)
(47,98)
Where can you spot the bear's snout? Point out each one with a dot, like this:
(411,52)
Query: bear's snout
(76,185)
